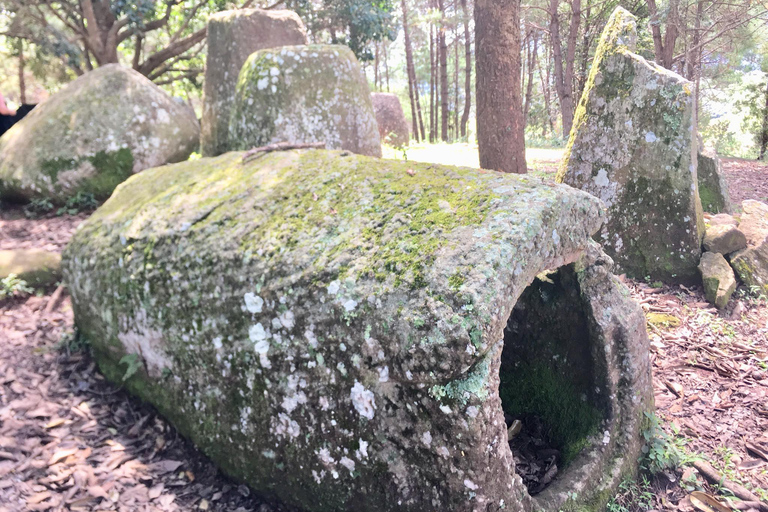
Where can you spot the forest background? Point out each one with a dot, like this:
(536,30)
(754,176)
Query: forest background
(421,50)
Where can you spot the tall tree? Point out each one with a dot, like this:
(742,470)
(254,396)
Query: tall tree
(564,77)
(467,71)
(500,123)
(413,89)
(443,64)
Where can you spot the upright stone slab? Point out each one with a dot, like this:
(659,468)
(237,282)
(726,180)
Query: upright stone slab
(232,37)
(330,328)
(304,94)
(393,128)
(93,134)
(633,146)
(713,190)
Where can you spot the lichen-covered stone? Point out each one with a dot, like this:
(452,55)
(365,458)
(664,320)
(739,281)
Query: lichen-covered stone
(724,239)
(33,266)
(751,264)
(719,218)
(90,136)
(232,37)
(304,94)
(329,327)
(393,128)
(633,146)
(718,279)
(713,190)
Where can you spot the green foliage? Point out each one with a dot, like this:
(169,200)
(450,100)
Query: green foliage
(355,23)
(133,363)
(71,342)
(662,451)
(37,207)
(13,286)
(80,202)
(632,496)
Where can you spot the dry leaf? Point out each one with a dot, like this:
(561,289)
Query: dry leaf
(61,455)
(707,503)
(203,505)
(37,498)
(165,466)
(156,491)
(757,450)
(55,423)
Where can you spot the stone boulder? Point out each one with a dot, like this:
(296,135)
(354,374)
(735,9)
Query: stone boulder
(330,328)
(35,267)
(232,37)
(724,239)
(632,145)
(717,276)
(304,94)
(393,128)
(718,219)
(90,136)
(751,264)
(713,190)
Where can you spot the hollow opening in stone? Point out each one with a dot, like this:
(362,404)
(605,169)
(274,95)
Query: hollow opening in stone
(550,378)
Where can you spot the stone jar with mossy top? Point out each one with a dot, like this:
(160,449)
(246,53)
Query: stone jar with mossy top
(346,333)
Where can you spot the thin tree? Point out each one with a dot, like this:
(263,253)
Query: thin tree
(468,71)
(443,52)
(564,77)
(413,89)
(500,123)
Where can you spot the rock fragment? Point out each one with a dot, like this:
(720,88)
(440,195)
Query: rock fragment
(724,239)
(751,264)
(718,278)
(713,189)
(393,128)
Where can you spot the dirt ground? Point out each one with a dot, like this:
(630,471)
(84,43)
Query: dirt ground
(71,441)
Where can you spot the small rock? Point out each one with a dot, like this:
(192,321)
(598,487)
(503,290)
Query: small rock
(37,268)
(718,278)
(393,128)
(724,239)
(713,190)
(751,264)
(720,218)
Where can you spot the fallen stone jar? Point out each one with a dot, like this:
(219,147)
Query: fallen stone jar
(347,333)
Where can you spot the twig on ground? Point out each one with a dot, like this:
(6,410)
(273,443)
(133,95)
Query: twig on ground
(254,153)
(715,478)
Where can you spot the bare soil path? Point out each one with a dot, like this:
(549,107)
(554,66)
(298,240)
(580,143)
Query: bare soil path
(71,441)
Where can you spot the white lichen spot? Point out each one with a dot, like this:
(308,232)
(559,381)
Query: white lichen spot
(384,374)
(348,463)
(287,320)
(426,438)
(333,288)
(445,409)
(257,333)
(650,137)
(363,400)
(601,180)
(469,484)
(555,237)
(350,305)
(253,303)
(472,411)
(310,337)
(362,452)
(262,83)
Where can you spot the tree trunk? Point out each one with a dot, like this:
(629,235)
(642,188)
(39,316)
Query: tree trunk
(547,92)
(443,51)
(22,81)
(455,78)
(564,77)
(531,63)
(664,47)
(764,132)
(376,85)
(432,91)
(500,125)
(468,71)
(409,68)
(386,64)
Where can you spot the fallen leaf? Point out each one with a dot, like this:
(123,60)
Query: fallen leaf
(757,450)
(203,505)
(707,503)
(165,466)
(37,498)
(61,455)
(156,491)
